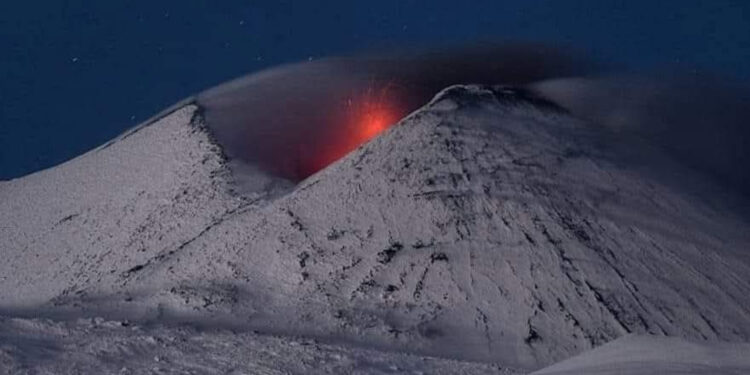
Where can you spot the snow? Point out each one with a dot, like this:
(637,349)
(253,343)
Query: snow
(489,226)
(650,355)
(98,346)
(155,187)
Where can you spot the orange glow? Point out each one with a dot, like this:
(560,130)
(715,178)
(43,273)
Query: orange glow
(374,118)
(361,119)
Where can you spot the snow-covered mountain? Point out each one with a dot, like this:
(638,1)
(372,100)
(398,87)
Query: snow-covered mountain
(489,226)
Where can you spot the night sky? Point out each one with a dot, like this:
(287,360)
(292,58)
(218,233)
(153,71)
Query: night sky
(74,74)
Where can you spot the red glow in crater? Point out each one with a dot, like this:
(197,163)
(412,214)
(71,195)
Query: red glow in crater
(362,118)
(370,119)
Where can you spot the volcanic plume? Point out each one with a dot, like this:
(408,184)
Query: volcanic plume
(293,120)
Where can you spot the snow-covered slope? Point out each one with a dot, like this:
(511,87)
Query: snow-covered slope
(489,225)
(78,224)
(98,346)
(652,355)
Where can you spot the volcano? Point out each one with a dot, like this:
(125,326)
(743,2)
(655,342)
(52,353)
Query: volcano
(490,231)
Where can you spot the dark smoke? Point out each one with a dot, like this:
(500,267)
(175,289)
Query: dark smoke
(295,119)
(289,120)
(701,121)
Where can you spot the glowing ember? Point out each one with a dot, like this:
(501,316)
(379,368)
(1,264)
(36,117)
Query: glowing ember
(361,119)
(374,118)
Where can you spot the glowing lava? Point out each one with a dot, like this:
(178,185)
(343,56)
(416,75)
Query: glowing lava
(361,119)
(372,118)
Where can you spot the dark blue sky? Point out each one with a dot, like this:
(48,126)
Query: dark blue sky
(75,73)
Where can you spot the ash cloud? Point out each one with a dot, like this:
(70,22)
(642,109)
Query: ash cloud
(292,120)
(701,121)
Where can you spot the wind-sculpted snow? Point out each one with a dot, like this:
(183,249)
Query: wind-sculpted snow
(490,225)
(652,355)
(98,346)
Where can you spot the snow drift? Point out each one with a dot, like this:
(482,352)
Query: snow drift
(652,355)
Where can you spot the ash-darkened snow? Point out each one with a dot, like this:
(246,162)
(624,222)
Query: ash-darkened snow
(490,226)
